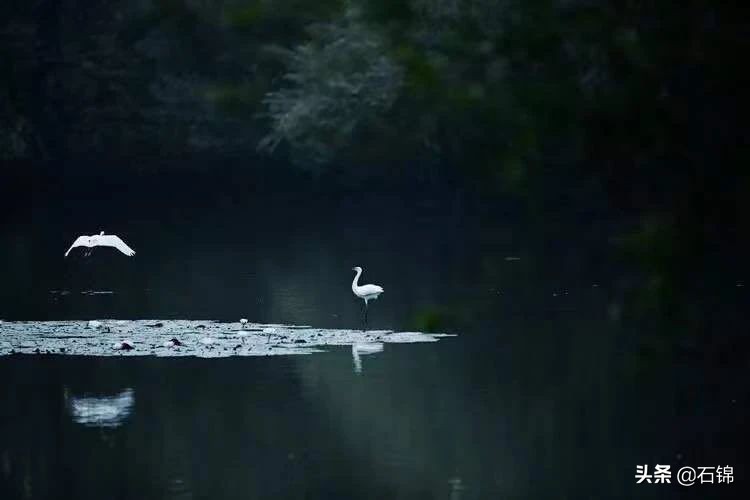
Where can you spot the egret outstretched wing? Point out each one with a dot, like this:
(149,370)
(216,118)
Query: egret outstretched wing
(80,241)
(110,240)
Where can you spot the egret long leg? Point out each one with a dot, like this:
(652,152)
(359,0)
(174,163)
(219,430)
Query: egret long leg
(366,309)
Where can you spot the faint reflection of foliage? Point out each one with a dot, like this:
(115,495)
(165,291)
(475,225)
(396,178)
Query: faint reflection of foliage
(337,81)
(428,320)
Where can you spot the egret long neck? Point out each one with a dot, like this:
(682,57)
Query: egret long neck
(355,283)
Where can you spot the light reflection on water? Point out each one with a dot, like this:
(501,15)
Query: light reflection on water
(362,350)
(444,420)
(102,411)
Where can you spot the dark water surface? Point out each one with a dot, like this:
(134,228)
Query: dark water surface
(541,395)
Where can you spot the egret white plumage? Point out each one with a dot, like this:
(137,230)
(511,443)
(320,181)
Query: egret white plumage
(101,240)
(365,292)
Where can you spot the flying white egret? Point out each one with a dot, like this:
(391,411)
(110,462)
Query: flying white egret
(365,292)
(101,240)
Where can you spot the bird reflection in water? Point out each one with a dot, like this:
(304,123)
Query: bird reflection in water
(104,411)
(362,349)
(457,487)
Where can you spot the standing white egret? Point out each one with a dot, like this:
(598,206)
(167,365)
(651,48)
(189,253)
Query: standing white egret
(365,292)
(101,240)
